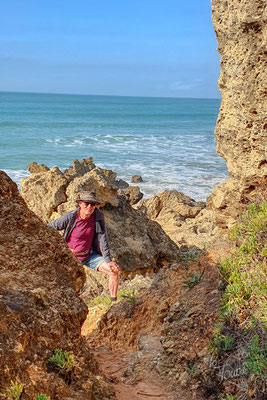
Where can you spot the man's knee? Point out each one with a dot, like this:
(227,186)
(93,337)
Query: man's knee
(107,270)
(114,274)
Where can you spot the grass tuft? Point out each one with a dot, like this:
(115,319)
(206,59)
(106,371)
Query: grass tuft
(15,391)
(256,361)
(41,397)
(129,295)
(63,363)
(194,279)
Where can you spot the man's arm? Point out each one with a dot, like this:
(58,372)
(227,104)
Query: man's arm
(59,223)
(102,244)
(104,247)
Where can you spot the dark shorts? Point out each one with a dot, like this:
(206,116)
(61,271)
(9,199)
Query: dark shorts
(94,261)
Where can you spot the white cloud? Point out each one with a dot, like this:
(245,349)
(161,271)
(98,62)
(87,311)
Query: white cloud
(179,85)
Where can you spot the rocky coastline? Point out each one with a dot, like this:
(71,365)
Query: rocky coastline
(40,271)
(146,236)
(137,243)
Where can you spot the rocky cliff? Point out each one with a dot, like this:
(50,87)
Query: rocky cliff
(241,130)
(137,243)
(40,309)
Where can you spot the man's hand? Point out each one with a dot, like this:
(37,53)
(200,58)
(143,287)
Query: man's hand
(113,266)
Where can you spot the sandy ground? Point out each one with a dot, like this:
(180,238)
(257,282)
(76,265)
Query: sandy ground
(115,366)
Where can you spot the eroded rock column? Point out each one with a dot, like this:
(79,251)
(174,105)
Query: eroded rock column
(241,130)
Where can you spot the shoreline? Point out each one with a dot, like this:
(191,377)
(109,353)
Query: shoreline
(169,142)
(150,187)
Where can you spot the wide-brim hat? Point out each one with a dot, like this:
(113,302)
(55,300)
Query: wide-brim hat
(87,196)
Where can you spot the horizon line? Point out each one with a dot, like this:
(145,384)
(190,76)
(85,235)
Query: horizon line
(110,95)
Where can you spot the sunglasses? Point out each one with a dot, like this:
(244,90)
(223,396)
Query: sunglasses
(87,203)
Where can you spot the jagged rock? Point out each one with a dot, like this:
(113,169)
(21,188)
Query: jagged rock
(79,168)
(44,191)
(122,184)
(134,194)
(110,175)
(51,193)
(200,232)
(136,242)
(241,130)
(230,199)
(35,168)
(172,210)
(40,309)
(171,201)
(98,181)
(137,179)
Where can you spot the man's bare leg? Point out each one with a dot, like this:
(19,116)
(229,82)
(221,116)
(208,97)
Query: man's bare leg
(113,274)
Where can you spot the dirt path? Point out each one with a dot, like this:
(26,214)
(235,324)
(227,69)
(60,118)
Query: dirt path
(117,367)
(147,347)
(129,381)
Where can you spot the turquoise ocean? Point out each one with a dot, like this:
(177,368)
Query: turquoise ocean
(169,142)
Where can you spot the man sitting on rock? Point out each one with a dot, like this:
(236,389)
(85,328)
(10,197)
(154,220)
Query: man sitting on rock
(86,236)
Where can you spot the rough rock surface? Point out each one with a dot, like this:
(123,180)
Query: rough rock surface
(137,179)
(50,192)
(241,130)
(176,214)
(40,309)
(136,242)
(134,194)
(121,184)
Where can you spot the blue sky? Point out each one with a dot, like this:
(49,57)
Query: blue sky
(164,48)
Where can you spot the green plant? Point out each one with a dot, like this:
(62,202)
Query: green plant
(195,279)
(256,360)
(171,333)
(188,255)
(221,343)
(129,295)
(243,306)
(245,270)
(41,397)
(100,300)
(192,370)
(15,391)
(62,361)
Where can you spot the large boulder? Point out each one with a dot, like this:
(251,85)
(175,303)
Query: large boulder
(40,309)
(176,213)
(241,130)
(136,242)
(137,179)
(41,198)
